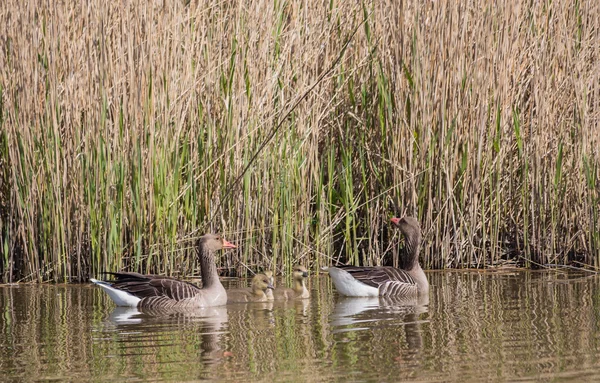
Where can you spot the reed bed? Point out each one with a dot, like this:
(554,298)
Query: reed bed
(127,129)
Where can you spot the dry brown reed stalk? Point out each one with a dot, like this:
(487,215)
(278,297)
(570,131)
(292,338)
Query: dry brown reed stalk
(123,126)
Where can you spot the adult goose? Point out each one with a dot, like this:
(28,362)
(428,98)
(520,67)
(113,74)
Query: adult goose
(155,291)
(255,293)
(410,281)
(298,290)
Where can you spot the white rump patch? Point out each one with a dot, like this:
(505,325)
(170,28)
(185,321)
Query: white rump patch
(349,286)
(120,297)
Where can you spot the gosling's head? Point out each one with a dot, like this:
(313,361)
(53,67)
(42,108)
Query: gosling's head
(299,272)
(261,282)
(269,274)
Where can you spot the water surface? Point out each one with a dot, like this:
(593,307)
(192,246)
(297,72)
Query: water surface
(510,326)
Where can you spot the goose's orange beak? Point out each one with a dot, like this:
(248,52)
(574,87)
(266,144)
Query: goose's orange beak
(395,220)
(228,245)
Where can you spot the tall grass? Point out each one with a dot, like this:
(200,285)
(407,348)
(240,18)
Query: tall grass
(126,131)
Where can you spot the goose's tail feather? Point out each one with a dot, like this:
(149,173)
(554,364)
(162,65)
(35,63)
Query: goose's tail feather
(120,297)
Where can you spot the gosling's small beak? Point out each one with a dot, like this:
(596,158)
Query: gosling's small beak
(270,286)
(305,274)
(228,245)
(395,220)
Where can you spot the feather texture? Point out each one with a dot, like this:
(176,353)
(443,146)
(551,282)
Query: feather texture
(150,287)
(134,289)
(255,293)
(388,280)
(298,291)
(409,281)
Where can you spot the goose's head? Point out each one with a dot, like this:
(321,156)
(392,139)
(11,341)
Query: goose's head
(215,242)
(409,226)
(269,275)
(261,282)
(299,272)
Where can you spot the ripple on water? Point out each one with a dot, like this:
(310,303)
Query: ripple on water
(520,326)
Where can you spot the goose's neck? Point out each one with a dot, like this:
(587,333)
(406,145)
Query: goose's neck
(411,257)
(420,278)
(411,263)
(299,286)
(269,294)
(258,292)
(208,268)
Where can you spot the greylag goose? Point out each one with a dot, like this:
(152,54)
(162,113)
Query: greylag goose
(255,293)
(155,291)
(298,291)
(410,281)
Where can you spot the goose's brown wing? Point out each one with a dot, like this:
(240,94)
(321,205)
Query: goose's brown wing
(146,286)
(241,295)
(284,294)
(389,280)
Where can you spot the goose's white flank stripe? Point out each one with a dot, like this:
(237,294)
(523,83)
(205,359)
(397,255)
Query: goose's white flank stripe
(349,286)
(120,297)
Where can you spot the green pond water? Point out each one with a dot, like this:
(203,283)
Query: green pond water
(509,326)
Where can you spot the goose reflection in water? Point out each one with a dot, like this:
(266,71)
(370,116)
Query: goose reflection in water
(215,316)
(209,324)
(394,316)
(381,311)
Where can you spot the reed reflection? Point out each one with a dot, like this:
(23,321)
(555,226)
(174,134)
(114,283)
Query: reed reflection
(477,326)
